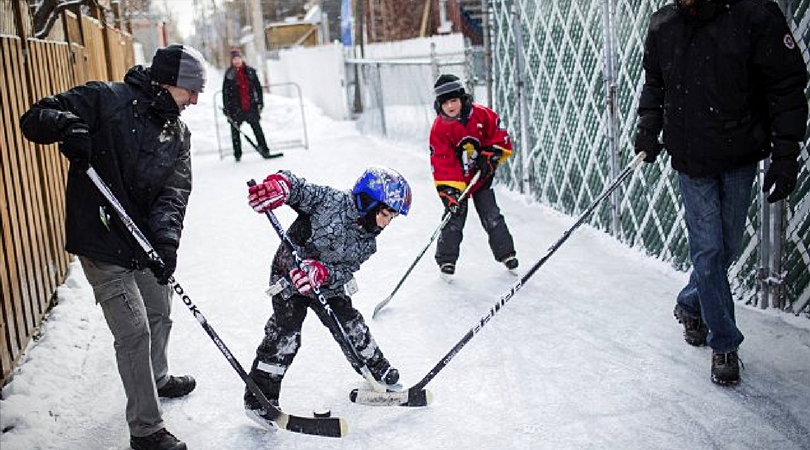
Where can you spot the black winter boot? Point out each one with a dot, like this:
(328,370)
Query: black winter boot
(726,368)
(159,440)
(511,262)
(271,390)
(177,386)
(694,330)
(383,372)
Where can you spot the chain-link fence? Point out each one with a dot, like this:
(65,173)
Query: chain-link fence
(567,79)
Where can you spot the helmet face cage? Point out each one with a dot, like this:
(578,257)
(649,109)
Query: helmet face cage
(382,185)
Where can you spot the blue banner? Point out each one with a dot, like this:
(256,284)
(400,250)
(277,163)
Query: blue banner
(346,23)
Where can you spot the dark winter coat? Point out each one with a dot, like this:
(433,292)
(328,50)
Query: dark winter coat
(230,92)
(725,81)
(141,155)
(327,229)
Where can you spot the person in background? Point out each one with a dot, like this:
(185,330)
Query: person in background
(467,137)
(243,98)
(725,81)
(132,135)
(335,232)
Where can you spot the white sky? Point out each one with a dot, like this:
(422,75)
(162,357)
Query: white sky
(183,13)
(585,356)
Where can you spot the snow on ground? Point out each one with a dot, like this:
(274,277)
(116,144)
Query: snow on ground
(585,356)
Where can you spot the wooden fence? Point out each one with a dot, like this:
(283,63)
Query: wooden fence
(32,177)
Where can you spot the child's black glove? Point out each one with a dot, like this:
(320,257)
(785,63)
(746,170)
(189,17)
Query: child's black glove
(487,161)
(450,198)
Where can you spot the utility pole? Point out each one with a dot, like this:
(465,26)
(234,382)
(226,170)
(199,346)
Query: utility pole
(257,23)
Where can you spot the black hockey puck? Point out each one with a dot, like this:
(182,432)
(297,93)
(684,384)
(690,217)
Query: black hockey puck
(322,413)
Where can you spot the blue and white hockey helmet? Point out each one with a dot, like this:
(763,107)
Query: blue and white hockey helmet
(382,185)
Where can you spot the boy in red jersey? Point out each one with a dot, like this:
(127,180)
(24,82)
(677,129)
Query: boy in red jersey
(467,137)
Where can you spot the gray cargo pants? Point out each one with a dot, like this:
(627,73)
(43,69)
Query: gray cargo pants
(137,311)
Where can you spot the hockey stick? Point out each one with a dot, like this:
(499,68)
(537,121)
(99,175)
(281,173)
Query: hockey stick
(386,399)
(326,426)
(250,141)
(416,396)
(445,219)
(346,344)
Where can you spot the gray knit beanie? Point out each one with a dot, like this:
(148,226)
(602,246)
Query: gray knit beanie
(179,65)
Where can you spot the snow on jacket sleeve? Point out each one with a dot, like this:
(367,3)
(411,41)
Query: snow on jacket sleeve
(781,70)
(46,121)
(169,209)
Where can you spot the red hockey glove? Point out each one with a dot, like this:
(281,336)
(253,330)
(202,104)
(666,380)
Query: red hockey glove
(313,275)
(271,194)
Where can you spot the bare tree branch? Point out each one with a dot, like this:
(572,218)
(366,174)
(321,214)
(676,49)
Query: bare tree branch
(47,11)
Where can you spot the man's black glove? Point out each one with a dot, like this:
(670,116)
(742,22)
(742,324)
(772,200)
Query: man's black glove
(450,198)
(168,253)
(487,161)
(647,142)
(76,144)
(783,171)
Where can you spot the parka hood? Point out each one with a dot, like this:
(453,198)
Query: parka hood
(162,106)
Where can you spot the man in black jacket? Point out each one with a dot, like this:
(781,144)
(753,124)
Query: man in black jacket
(725,81)
(243,97)
(131,134)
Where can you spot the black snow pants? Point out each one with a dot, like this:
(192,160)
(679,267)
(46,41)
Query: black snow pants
(500,239)
(252,118)
(282,334)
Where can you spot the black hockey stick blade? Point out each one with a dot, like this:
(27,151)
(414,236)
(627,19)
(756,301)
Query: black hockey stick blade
(316,426)
(410,397)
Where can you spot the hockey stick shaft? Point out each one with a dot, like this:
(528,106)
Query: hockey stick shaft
(239,129)
(445,218)
(323,304)
(283,420)
(505,298)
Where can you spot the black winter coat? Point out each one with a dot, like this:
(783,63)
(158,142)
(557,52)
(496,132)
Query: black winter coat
(141,155)
(230,92)
(724,83)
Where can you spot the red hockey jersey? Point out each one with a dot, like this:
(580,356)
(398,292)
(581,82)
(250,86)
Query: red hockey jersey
(455,143)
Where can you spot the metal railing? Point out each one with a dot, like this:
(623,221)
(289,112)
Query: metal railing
(274,144)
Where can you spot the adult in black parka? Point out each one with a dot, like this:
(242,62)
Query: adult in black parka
(725,82)
(131,134)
